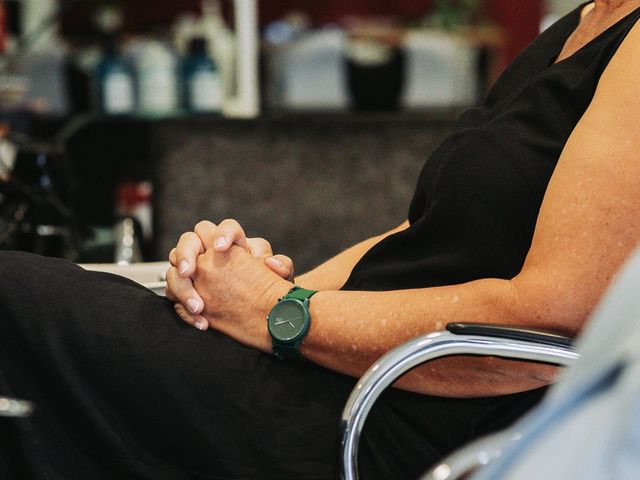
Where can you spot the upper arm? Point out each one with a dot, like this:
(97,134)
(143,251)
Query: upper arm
(589,221)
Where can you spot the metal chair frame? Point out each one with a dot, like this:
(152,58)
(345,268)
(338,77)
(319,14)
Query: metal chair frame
(478,340)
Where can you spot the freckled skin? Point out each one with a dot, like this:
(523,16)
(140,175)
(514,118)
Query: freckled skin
(587,226)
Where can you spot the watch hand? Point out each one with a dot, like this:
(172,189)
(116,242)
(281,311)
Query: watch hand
(280,322)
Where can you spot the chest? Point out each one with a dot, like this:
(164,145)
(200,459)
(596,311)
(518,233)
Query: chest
(594,22)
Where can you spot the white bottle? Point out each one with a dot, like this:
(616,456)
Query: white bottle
(201,78)
(220,42)
(115,83)
(157,80)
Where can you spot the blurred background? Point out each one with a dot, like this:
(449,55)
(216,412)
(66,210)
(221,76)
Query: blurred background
(123,123)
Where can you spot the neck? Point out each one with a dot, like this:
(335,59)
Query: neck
(611,5)
(600,10)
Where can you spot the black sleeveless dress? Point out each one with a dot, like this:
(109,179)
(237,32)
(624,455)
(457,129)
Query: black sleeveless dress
(125,390)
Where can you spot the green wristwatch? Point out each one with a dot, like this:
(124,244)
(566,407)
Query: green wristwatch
(289,322)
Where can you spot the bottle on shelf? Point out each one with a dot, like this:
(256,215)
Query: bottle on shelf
(220,43)
(127,245)
(202,79)
(115,83)
(157,79)
(133,229)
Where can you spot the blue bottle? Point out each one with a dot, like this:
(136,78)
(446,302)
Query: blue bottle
(202,80)
(115,83)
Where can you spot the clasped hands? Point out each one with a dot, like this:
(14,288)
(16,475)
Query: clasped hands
(223,280)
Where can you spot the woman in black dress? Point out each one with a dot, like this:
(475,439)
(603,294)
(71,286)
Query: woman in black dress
(521,217)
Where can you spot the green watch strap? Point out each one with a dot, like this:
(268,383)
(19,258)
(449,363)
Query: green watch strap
(288,352)
(300,293)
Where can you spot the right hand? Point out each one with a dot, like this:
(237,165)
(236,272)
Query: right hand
(220,237)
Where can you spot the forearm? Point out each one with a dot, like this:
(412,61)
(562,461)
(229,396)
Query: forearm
(350,330)
(333,273)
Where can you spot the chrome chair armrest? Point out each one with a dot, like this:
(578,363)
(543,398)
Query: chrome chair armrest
(482,340)
(11,407)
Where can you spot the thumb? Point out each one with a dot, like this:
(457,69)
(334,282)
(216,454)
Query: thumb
(281,265)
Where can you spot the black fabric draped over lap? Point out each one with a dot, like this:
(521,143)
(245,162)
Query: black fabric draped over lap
(124,390)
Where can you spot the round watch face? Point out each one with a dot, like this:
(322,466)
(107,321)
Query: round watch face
(288,320)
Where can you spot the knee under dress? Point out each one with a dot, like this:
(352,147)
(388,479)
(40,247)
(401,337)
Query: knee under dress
(124,390)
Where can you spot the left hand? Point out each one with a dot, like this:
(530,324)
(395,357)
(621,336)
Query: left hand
(207,235)
(238,292)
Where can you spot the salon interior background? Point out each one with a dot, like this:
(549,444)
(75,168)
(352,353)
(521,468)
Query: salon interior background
(155,112)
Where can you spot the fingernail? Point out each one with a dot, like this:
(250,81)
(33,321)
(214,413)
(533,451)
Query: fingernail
(200,324)
(221,242)
(277,262)
(193,305)
(183,266)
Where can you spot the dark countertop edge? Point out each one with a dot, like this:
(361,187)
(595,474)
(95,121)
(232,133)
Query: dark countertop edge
(444,115)
(435,117)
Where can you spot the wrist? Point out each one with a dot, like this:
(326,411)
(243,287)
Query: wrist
(289,321)
(275,292)
(258,336)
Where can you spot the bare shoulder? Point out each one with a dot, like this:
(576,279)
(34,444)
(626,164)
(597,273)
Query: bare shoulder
(621,78)
(612,119)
